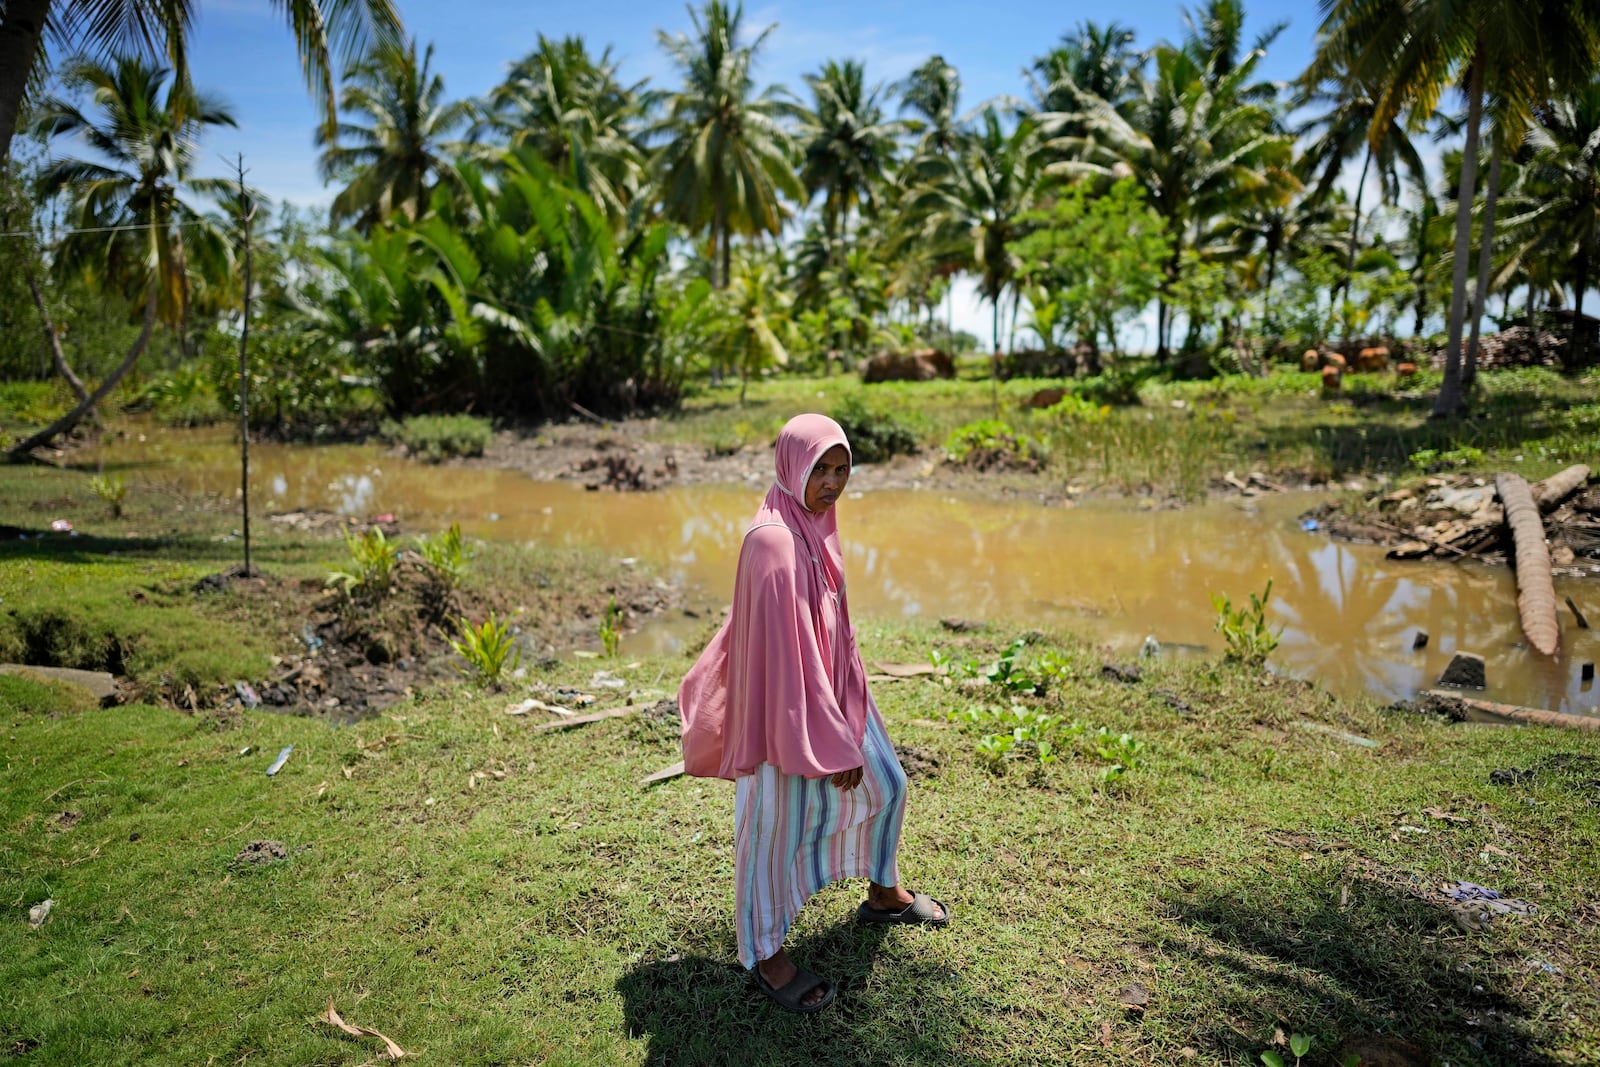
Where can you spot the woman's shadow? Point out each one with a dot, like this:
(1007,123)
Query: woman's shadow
(695,1009)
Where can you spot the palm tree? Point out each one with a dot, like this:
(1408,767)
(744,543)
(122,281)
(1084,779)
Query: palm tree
(933,92)
(1414,49)
(846,148)
(571,109)
(725,162)
(1345,128)
(846,144)
(1197,148)
(971,203)
(394,162)
(133,229)
(100,27)
(1093,60)
(1561,201)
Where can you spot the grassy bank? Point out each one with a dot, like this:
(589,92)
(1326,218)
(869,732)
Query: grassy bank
(148,594)
(1180,438)
(485,893)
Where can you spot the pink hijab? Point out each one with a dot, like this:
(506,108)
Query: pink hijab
(782,682)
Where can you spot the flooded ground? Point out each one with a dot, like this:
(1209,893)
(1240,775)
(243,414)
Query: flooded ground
(1109,570)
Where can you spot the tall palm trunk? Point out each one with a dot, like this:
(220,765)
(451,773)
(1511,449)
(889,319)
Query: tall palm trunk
(1577,347)
(57,356)
(1355,233)
(21,29)
(1469,373)
(75,416)
(1448,403)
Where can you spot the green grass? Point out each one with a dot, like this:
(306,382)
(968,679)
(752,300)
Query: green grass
(440,437)
(1248,874)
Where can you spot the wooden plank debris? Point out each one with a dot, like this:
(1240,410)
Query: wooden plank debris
(663,774)
(585,720)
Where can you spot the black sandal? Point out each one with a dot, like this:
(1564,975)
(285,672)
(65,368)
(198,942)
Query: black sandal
(920,912)
(792,993)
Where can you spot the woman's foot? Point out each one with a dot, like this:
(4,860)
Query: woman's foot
(895,898)
(779,971)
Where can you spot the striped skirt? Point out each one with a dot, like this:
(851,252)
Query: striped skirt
(794,835)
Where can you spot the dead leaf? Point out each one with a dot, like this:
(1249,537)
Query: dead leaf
(348,771)
(1494,850)
(1105,1033)
(906,670)
(1134,997)
(1443,816)
(331,1017)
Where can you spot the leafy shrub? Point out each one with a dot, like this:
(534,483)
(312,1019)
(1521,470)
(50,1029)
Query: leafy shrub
(1117,387)
(991,443)
(440,437)
(876,434)
(1250,640)
(1074,408)
(184,397)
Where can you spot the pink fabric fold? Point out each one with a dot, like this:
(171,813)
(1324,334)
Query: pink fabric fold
(782,682)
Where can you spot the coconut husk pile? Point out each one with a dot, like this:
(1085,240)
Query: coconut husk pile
(1463,518)
(1515,346)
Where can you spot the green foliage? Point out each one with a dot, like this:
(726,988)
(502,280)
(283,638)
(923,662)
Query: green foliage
(1300,1046)
(1120,750)
(1018,733)
(1250,640)
(1094,260)
(112,489)
(489,649)
(875,431)
(988,440)
(373,557)
(183,397)
(611,628)
(439,437)
(1075,409)
(446,557)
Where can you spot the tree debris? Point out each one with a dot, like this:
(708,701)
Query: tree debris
(1536,591)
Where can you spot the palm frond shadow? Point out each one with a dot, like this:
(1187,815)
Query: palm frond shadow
(1388,964)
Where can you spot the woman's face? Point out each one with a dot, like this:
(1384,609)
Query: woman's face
(827,479)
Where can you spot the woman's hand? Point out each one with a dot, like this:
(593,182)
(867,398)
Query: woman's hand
(847,780)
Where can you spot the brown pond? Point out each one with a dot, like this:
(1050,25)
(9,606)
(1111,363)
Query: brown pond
(1109,570)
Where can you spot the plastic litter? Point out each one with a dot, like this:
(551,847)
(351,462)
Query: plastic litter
(40,912)
(60,525)
(283,757)
(1151,646)
(247,694)
(1311,526)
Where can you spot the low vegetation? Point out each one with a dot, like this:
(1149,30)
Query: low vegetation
(479,891)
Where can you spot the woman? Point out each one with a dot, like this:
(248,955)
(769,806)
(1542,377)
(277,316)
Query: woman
(778,703)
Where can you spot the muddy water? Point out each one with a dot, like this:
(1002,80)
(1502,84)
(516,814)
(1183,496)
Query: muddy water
(1111,571)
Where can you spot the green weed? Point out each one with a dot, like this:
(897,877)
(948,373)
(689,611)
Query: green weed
(446,557)
(1250,640)
(373,557)
(112,489)
(489,649)
(611,628)
(876,433)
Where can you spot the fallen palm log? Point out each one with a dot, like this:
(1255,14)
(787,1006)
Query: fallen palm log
(585,720)
(1536,591)
(1549,493)
(1445,701)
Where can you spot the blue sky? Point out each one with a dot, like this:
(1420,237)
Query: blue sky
(242,51)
